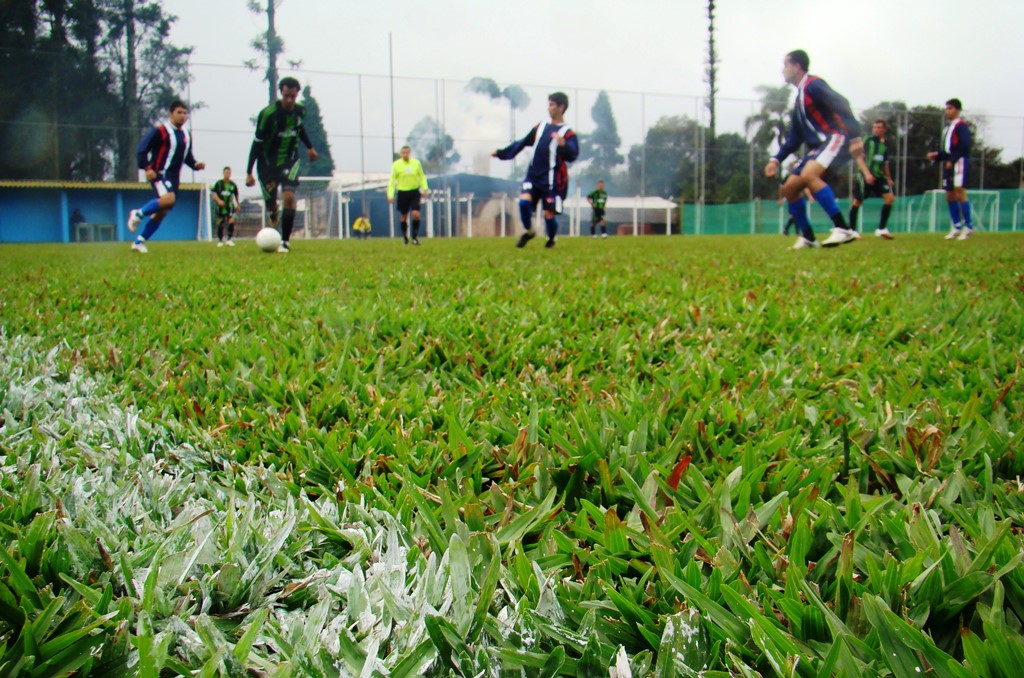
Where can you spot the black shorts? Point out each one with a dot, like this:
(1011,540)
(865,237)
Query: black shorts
(550,201)
(408,201)
(863,190)
(225,214)
(286,177)
(598,215)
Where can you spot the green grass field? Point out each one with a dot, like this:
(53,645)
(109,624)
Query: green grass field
(645,456)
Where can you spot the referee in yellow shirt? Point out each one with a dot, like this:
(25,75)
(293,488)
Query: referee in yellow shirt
(408,177)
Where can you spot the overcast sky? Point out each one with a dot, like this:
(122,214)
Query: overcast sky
(917,51)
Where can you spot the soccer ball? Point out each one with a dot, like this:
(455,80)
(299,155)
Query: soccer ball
(268,239)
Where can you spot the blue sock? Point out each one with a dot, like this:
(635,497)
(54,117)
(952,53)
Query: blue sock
(954,213)
(150,229)
(150,208)
(827,199)
(552,227)
(526,213)
(965,209)
(798,210)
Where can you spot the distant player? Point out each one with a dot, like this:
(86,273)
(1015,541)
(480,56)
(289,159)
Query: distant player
(878,182)
(275,153)
(362,227)
(161,154)
(547,178)
(408,177)
(955,156)
(225,195)
(597,199)
(823,121)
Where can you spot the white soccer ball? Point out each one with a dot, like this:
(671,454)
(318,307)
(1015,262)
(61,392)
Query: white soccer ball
(268,239)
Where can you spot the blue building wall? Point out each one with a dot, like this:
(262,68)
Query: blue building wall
(41,211)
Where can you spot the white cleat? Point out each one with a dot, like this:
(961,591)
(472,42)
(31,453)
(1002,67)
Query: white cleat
(229,242)
(883,233)
(965,233)
(604,235)
(804,243)
(839,236)
(134,218)
(283,248)
(139,247)
(220,243)
(856,234)
(953,234)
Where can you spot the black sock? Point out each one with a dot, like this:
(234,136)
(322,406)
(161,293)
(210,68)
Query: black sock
(231,230)
(853,216)
(839,222)
(593,229)
(287,222)
(886,209)
(220,231)
(272,214)
(415,228)
(604,229)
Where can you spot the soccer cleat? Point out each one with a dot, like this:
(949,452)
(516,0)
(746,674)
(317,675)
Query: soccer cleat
(405,239)
(220,243)
(965,233)
(953,234)
(133,220)
(604,235)
(283,247)
(139,247)
(550,243)
(594,235)
(229,242)
(838,236)
(855,234)
(415,241)
(883,233)
(525,238)
(804,243)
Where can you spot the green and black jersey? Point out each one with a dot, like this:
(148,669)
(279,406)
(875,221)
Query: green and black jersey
(227,191)
(876,155)
(598,199)
(278,132)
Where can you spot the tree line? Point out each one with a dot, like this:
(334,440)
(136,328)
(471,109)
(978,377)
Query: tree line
(81,81)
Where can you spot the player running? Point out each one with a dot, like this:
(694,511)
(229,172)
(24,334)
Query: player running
(597,199)
(823,121)
(547,178)
(161,154)
(225,195)
(275,153)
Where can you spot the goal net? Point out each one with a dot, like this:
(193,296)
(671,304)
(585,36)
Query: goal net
(932,215)
(320,212)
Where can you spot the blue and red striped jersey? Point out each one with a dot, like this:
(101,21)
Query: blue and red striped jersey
(165,149)
(549,166)
(818,113)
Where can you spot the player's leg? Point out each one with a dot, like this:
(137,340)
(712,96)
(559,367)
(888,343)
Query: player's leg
(220,227)
(404,203)
(813,174)
(165,189)
(552,208)
(231,231)
(604,227)
(960,193)
(288,205)
(857,199)
(415,212)
(793,192)
(527,201)
(593,224)
(162,200)
(953,203)
(268,186)
(888,199)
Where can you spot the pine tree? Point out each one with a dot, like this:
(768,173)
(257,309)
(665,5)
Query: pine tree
(314,123)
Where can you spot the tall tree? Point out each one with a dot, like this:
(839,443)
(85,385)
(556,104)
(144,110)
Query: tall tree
(768,126)
(668,158)
(268,44)
(601,147)
(148,69)
(516,96)
(434,148)
(711,77)
(314,123)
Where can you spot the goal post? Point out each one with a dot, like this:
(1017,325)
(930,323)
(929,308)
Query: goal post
(984,211)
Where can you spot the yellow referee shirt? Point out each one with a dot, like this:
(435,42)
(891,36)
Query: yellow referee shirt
(407,176)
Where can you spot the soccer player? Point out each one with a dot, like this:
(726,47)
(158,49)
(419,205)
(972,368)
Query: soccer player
(408,177)
(362,227)
(225,194)
(275,153)
(597,199)
(878,182)
(547,178)
(823,121)
(161,154)
(955,156)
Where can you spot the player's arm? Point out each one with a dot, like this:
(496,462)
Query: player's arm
(961,146)
(789,145)
(190,160)
(304,138)
(393,181)
(234,196)
(569,146)
(256,150)
(215,192)
(513,149)
(147,150)
(424,189)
